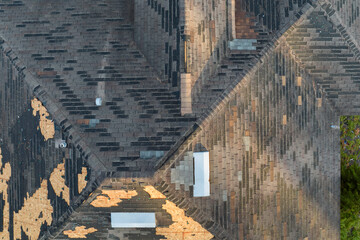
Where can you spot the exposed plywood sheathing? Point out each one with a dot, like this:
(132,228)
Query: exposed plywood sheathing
(154,194)
(183,228)
(47,126)
(4,178)
(299,100)
(83,121)
(298,82)
(253,106)
(57,180)
(35,212)
(79,232)
(81,179)
(113,198)
(319,102)
(185,93)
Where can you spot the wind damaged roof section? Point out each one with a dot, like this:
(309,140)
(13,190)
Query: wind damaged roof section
(79,232)
(113,198)
(36,211)
(183,227)
(47,126)
(82,179)
(171,222)
(5,175)
(57,180)
(154,194)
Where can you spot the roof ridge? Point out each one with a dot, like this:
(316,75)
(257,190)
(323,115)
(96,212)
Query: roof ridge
(92,185)
(333,16)
(220,102)
(52,106)
(60,117)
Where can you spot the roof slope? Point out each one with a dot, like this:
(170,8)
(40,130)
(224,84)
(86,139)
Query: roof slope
(80,50)
(329,59)
(89,41)
(117,195)
(326,72)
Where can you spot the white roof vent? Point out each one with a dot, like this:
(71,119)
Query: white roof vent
(133,220)
(60,143)
(98,101)
(202,174)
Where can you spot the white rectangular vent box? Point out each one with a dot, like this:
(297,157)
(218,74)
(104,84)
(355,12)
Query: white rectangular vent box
(202,174)
(133,220)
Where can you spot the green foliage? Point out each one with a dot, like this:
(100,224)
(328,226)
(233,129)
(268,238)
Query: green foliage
(350,226)
(350,138)
(350,202)
(350,177)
